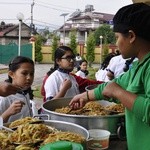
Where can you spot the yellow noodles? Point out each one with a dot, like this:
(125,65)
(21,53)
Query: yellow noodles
(30,133)
(22,121)
(92,108)
(64,136)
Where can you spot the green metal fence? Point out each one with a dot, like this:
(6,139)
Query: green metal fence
(8,52)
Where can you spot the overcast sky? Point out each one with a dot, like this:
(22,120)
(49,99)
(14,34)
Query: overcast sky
(47,12)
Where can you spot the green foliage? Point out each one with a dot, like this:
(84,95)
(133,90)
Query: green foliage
(37,92)
(73,43)
(106,31)
(105,52)
(38,47)
(90,56)
(54,45)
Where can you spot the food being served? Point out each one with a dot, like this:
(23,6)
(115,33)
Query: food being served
(64,136)
(116,108)
(30,136)
(93,108)
(4,141)
(30,133)
(22,121)
(25,147)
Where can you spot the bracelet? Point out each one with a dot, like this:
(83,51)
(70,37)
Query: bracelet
(87,95)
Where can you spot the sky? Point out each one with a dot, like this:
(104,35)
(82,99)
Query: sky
(46,13)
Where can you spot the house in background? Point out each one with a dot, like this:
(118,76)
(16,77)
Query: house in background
(83,22)
(9,33)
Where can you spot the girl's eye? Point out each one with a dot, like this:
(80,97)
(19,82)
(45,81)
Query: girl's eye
(31,74)
(27,73)
(24,73)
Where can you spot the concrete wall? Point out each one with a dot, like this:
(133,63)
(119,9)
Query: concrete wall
(47,53)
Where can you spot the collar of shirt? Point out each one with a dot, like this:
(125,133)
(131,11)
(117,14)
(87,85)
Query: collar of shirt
(63,70)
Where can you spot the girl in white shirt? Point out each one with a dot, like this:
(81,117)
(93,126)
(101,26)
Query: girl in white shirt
(82,72)
(21,75)
(61,83)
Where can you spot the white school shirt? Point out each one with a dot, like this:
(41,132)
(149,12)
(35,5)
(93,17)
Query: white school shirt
(54,83)
(101,75)
(116,65)
(5,102)
(81,74)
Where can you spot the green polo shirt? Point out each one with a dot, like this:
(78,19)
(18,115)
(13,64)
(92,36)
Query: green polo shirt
(136,80)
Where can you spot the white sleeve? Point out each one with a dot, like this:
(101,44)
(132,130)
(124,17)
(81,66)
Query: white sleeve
(51,86)
(78,73)
(81,74)
(4,104)
(112,65)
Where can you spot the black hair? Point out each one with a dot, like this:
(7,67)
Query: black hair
(80,62)
(15,65)
(60,51)
(107,60)
(135,17)
(50,71)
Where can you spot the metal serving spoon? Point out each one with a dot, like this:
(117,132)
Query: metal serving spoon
(3,127)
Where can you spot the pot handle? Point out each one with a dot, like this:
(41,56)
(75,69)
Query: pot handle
(40,116)
(121,131)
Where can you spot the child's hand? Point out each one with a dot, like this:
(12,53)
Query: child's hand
(15,107)
(66,84)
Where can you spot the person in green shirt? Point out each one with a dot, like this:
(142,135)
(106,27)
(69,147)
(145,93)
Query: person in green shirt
(132,89)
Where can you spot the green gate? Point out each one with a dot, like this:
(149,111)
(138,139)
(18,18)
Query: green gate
(8,52)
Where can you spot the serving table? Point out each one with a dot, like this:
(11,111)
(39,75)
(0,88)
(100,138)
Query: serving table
(117,144)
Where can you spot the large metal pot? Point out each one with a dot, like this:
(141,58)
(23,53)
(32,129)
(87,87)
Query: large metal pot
(109,122)
(68,126)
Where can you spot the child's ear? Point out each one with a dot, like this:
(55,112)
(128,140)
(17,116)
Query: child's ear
(11,74)
(132,36)
(58,61)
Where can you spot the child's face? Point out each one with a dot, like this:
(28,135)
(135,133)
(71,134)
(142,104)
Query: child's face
(83,66)
(67,61)
(23,77)
(125,45)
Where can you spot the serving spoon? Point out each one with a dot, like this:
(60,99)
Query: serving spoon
(3,127)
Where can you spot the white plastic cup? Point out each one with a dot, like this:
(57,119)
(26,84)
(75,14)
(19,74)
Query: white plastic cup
(99,139)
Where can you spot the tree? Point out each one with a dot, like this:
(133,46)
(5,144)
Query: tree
(90,56)
(73,43)
(54,45)
(38,47)
(106,31)
(105,50)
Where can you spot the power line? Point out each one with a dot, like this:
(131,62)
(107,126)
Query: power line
(62,10)
(14,3)
(56,5)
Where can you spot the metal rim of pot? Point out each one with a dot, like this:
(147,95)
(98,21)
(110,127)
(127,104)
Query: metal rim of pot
(79,118)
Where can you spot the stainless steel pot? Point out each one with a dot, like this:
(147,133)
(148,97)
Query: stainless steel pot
(109,122)
(68,126)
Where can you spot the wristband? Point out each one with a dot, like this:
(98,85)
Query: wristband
(87,95)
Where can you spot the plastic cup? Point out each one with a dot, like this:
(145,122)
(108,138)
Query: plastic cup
(99,139)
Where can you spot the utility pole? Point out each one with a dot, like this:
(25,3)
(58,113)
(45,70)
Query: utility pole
(32,25)
(64,15)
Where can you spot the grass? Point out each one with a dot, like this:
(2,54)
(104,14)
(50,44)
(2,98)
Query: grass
(37,92)
(92,71)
